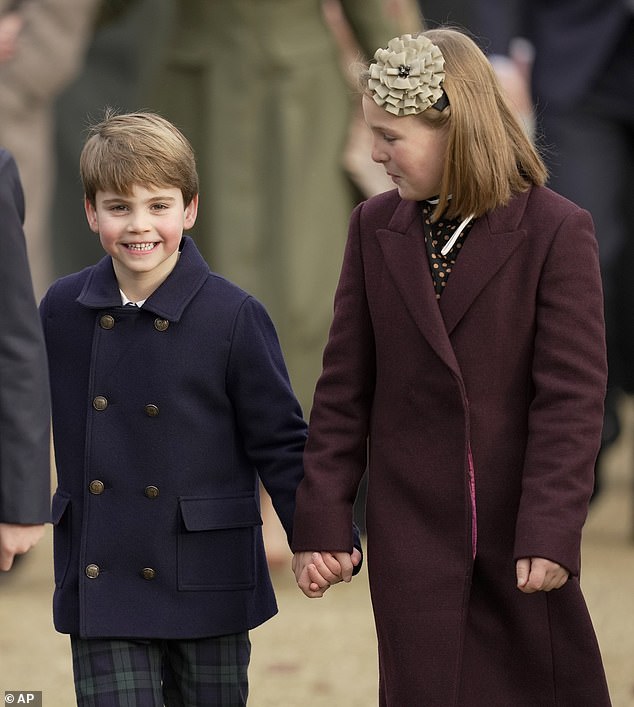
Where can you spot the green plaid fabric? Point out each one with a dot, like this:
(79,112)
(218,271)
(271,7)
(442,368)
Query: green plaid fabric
(157,673)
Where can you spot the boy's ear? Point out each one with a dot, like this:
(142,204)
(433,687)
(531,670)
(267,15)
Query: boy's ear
(191,211)
(91,215)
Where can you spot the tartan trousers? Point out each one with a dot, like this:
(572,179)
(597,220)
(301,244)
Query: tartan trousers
(206,672)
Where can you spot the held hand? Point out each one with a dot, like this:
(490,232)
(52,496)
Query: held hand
(315,572)
(16,540)
(536,574)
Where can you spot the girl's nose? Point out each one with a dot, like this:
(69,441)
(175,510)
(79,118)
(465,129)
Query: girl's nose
(377,154)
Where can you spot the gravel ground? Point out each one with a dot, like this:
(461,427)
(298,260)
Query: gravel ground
(322,653)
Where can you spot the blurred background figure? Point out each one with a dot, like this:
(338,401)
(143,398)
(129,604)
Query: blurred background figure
(123,55)
(456,13)
(515,63)
(41,48)
(24,392)
(582,87)
(367,176)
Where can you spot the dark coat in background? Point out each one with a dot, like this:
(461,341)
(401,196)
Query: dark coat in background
(25,449)
(501,383)
(164,417)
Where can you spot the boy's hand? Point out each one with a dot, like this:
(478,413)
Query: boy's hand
(536,574)
(315,572)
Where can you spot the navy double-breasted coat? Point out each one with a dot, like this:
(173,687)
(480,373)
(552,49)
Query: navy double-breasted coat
(164,417)
(483,412)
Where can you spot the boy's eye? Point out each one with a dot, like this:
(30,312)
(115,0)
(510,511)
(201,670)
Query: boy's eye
(388,138)
(159,207)
(118,207)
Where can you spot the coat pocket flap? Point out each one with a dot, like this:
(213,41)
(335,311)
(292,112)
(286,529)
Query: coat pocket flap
(58,506)
(217,513)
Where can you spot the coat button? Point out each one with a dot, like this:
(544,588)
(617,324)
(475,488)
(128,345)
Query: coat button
(161,324)
(96,487)
(100,403)
(92,571)
(151,491)
(148,573)
(151,410)
(106,321)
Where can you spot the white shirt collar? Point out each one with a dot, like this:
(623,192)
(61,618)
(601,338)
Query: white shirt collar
(125,300)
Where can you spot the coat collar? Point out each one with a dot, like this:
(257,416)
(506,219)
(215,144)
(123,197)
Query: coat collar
(101,289)
(491,241)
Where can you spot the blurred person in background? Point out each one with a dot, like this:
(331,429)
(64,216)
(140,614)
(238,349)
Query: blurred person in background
(582,88)
(119,67)
(24,391)
(41,48)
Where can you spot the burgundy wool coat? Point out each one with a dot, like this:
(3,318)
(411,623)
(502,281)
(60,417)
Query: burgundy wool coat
(482,415)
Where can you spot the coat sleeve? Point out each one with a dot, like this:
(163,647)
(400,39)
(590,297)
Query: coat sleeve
(267,412)
(336,451)
(566,413)
(497,22)
(24,389)
(371,24)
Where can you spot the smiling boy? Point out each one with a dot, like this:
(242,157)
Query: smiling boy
(165,415)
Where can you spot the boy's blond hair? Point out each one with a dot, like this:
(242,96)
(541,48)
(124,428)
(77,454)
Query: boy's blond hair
(489,156)
(124,150)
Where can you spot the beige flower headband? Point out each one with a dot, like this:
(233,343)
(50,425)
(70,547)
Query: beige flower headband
(406,78)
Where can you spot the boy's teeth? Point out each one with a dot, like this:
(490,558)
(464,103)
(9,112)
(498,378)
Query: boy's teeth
(140,246)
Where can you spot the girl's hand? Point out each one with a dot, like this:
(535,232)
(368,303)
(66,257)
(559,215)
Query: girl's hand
(537,574)
(316,572)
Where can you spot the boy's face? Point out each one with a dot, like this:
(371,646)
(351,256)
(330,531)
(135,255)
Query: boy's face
(141,231)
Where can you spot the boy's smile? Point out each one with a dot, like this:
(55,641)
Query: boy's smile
(142,232)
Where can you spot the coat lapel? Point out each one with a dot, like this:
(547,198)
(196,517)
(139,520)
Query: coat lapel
(403,246)
(491,242)
(169,300)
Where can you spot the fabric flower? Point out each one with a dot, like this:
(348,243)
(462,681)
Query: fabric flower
(406,77)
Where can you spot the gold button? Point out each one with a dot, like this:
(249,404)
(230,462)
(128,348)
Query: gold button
(151,491)
(151,410)
(148,573)
(161,324)
(107,321)
(96,487)
(100,403)
(92,571)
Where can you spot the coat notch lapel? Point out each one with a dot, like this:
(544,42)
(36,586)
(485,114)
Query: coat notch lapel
(406,260)
(483,255)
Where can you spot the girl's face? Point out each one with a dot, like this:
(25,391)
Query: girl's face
(412,152)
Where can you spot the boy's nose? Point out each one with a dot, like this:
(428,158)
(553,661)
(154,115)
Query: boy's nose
(138,223)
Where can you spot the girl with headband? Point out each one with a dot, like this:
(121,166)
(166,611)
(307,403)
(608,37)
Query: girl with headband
(466,370)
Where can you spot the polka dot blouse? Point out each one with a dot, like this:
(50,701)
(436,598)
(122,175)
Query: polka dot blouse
(436,236)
